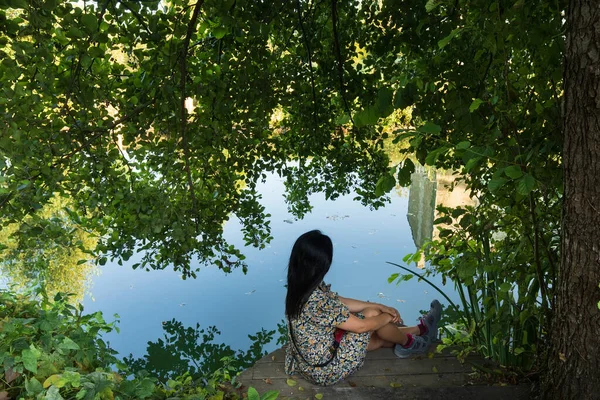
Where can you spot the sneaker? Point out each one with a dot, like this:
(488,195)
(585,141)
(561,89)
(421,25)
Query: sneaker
(418,346)
(431,320)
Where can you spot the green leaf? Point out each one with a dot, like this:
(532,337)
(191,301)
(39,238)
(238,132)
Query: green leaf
(505,287)
(513,172)
(90,21)
(443,220)
(384,185)
(432,156)
(496,183)
(319,396)
(96,52)
(430,127)
(342,119)
(55,380)
(405,173)
(270,395)
(72,378)
(525,185)
(33,386)
(68,344)
(30,358)
(463,145)
(53,394)
(405,97)
(475,104)
(145,389)
(444,42)
(393,277)
(291,382)
(431,4)
(383,105)
(253,394)
(220,32)
(368,116)
(472,163)
(519,350)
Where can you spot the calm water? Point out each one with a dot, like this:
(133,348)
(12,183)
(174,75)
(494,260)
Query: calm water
(241,304)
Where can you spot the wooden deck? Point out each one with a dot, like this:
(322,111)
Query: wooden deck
(384,376)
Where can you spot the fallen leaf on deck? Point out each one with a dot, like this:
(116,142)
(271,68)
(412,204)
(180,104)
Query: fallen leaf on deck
(291,382)
(319,396)
(395,384)
(268,381)
(300,388)
(351,383)
(562,357)
(273,358)
(434,369)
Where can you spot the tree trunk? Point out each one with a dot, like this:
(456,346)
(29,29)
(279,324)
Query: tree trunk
(574,370)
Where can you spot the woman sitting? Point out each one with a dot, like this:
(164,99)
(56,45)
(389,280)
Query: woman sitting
(329,335)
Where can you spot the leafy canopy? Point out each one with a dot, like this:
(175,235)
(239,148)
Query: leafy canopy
(157,120)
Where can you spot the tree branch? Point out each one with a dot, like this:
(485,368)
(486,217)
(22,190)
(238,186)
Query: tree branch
(338,55)
(309,55)
(96,132)
(186,151)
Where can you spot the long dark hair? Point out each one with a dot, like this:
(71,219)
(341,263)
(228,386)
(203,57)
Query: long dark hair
(309,262)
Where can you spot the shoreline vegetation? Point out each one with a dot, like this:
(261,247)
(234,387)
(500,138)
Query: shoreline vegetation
(50,349)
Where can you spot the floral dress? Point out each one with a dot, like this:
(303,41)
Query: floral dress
(314,332)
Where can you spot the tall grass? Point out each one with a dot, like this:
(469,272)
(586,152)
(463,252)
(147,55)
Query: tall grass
(504,311)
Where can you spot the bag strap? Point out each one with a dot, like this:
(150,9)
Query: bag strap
(335,346)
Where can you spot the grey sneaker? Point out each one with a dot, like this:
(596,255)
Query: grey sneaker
(431,320)
(418,346)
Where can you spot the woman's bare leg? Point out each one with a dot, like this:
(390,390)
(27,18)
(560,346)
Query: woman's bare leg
(394,334)
(389,334)
(376,342)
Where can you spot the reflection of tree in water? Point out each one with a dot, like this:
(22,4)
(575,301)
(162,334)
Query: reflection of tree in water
(428,189)
(48,248)
(421,204)
(187,349)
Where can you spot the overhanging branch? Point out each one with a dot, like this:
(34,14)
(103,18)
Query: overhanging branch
(186,151)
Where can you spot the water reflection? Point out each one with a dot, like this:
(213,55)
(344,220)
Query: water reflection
(364,240)
(430,188)
(49,249)
(193,350)
(421,204)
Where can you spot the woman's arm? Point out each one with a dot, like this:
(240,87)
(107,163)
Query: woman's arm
(356,305)
(357,325)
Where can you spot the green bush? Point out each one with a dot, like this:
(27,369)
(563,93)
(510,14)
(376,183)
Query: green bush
(50,350)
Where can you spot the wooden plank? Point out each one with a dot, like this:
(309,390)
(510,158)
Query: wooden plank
(383,376)
(380,367)
(275,356)
(430,380)
(279,355)
(434,390)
